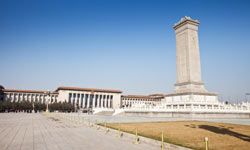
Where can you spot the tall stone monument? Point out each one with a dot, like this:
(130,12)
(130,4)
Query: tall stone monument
(188,65)
(189,85)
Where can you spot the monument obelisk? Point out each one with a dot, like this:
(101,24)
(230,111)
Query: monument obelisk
(189,86)
(188,66)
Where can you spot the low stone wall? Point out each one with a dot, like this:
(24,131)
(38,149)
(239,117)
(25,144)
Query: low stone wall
(105,112)
(186,114)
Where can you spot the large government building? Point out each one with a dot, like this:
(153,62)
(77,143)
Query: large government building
(81,98)
(190,97)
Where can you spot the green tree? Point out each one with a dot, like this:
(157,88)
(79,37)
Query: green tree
(39,107)
(62,107)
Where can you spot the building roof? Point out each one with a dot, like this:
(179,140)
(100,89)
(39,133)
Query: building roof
(88,89)
(157,95)
(28,91)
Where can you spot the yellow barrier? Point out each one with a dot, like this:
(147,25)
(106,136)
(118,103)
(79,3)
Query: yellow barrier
(107,129)
(137,139)
(162,140)
(120,134)
(206,143)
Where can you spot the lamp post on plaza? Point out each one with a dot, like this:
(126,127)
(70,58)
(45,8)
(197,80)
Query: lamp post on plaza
(47,101)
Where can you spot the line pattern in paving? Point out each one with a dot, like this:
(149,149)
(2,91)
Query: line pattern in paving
(22,131)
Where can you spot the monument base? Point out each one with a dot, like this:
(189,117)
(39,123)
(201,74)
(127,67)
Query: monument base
(189,105)
(185,114)
(192,97)
(191,101)
(190,87)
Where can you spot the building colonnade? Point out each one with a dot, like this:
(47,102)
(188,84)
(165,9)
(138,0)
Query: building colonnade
(134,100)
(88,100)
(31,97)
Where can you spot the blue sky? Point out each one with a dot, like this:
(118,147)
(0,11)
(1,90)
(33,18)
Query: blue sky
(127,45)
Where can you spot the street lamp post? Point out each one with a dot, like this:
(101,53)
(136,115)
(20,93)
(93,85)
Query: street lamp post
(47,102)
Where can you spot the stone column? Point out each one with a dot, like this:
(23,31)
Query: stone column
(76,100)
(84,99)
(102,101)
(22,97)
(98,101)
(69,100)
(17,97)
(105,102)
(83,96)
(93,100)
(88,101)
(108,103)
(80,101)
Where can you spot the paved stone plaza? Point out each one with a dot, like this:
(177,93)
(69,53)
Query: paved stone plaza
(68,131)
(36,131)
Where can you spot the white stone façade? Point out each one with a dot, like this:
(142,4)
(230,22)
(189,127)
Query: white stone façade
(81,98)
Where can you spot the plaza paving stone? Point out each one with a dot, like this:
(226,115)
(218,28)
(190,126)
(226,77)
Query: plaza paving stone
(22,131)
